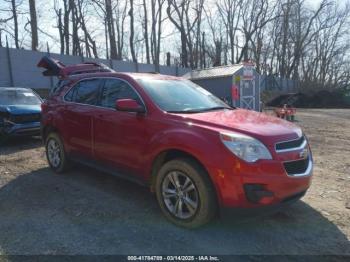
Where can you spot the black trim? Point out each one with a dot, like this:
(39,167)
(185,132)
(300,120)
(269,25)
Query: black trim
(261,210)
(255,192)
(25,118)
(106,168)
(296,167)
(102,79)
(290,144)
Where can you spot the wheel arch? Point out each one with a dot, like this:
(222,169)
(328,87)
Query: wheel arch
(47,130)
(174,153)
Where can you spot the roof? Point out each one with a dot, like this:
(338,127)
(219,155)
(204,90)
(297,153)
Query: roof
(157,76)
(213,72)
(133,75)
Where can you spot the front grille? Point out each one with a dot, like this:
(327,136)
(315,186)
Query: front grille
(290,144)
(21,119)
(296,167)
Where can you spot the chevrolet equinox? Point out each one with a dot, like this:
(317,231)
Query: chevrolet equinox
(194,151)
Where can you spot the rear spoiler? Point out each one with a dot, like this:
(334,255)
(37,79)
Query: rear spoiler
(56,68)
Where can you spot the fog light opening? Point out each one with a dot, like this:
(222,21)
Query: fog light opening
(256,193)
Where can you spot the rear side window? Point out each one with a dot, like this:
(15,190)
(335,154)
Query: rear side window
(115,89)
(85,92)
(58,87)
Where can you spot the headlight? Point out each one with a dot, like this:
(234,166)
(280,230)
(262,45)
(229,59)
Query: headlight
(245,147)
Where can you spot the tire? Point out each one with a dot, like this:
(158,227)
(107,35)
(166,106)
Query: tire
(55,153)
(196,193)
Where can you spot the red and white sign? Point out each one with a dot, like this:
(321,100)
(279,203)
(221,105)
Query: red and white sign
(235,92)
(248,71)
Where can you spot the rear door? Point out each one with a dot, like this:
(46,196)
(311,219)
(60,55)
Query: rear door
(78,116)
(120,137)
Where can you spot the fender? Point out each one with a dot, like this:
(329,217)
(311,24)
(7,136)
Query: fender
(189,141)
(51,121)
(193,142)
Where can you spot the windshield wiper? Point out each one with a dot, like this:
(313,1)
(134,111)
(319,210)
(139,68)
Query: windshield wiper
(214,108)
(193,111)
(184,111)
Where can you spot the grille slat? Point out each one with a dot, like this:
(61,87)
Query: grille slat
(296,167)
(20,119)
(290,144)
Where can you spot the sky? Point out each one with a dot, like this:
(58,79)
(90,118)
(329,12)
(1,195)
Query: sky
(47,22)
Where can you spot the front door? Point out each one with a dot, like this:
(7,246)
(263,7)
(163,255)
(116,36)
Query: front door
(119,137)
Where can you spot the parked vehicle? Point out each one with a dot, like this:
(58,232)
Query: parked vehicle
(194,151)
(286,112)
(20,112)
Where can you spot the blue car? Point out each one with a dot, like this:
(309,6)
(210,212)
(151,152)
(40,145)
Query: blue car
(20,112)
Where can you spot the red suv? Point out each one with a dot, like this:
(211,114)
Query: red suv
(194,151)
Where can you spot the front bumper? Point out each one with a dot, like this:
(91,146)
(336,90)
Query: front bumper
(261,184)
(25,129)
(261,210)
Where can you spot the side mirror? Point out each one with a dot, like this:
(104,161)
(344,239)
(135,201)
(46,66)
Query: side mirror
(129,105)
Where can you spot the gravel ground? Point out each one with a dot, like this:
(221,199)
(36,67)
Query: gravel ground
(88,212)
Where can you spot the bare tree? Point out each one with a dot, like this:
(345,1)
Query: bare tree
(214,50)
(286,38)
(33,25)
(324,64)
(89,42)
(111,31)
(121,15)
(13,9)
(145,30)
(60,26)
(157,21)
(186,16)
(132,32)
(66,14)
(231,15)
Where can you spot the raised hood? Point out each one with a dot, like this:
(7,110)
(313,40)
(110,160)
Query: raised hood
(268,129)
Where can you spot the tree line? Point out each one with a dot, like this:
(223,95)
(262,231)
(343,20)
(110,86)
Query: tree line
(293,39)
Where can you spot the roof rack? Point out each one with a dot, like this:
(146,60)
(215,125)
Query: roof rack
(88,67)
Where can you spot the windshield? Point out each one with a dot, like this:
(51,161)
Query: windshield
(18,97)
(181,96)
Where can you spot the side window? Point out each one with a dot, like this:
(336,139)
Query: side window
(85,92)
(70,95)
(58,87)
(115,89)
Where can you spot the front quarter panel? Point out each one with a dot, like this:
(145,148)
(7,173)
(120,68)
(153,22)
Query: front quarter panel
(202,144)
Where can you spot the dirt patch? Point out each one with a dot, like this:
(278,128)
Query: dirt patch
(88,212)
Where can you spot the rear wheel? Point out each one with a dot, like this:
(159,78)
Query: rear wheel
(55,153)
(185,193)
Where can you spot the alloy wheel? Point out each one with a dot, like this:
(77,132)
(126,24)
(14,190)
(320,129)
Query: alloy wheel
(180,195)
(54,153)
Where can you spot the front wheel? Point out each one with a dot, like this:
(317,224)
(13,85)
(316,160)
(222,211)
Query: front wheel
(185,193)
(55,153)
